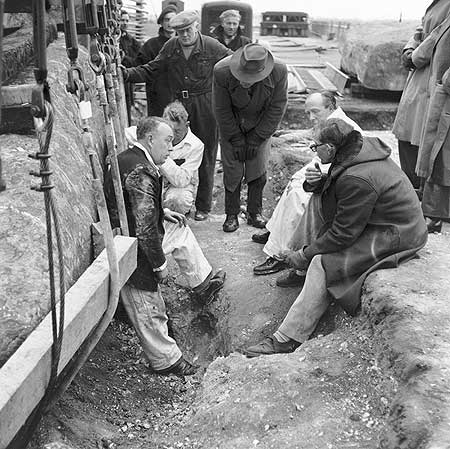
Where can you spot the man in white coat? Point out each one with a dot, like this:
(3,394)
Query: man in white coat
(294,201)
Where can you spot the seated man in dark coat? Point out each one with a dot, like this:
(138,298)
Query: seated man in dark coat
(229,32)
(370,219)
(159,232)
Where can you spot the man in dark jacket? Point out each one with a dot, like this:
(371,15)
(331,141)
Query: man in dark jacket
(250,97)
(371,219)
(187,62)
(130,47)
(229,32)
(159,232)
(158,93)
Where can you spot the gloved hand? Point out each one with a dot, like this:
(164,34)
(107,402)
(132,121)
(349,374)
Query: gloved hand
(240,153)
(253,143)
(407,59)
(238,143)
(296,259)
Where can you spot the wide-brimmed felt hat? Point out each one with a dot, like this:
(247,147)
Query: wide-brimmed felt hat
(251,63)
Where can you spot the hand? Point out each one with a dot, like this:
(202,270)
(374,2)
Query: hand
(313,175)
(407,59)
(124,71)
(175,217)
(446,81)
(295,259)
(240,153)
(162,276)
(251,152)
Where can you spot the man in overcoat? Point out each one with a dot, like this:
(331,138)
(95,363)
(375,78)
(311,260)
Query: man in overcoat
(158,92)
(370,219)
(187,62)
(410,118)
(250,97)
(433,163)
(229,32)
(159,232)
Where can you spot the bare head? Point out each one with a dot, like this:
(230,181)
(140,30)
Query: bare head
(156,135)
(230,20)
(319,106)
(124,20)
(175,113)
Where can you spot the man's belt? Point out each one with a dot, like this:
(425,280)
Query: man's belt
(185,94)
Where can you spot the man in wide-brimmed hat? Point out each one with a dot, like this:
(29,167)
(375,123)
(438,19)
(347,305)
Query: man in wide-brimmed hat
(250,97)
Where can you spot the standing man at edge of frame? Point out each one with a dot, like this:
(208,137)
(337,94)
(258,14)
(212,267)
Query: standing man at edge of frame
(158,93)
(250,97)
(187,61)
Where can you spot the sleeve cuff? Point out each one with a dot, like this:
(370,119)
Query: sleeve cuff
(161,268)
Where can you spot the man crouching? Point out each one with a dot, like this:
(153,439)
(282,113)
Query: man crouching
(159,232)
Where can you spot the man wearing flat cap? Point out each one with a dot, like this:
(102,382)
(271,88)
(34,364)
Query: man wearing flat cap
(229,32)
(158,93)
(250,97)
(187,62)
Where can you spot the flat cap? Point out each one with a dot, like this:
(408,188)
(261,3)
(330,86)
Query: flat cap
(184,19)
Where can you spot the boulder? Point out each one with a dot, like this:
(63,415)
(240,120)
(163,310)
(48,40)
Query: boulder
(24,288)
(371,53)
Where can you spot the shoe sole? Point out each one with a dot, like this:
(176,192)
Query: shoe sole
(263,273)
(230,230)
(257,226)
(261,242)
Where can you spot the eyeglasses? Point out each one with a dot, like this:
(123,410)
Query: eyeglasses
(313,147)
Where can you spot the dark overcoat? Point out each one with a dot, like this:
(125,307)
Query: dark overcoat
(239,112)
(142,189)
(372,218)
(410,118)
(238,41)
(158,92)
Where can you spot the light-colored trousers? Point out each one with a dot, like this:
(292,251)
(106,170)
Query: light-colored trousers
(180,199)
(147,310)
(288,212)
(310,305)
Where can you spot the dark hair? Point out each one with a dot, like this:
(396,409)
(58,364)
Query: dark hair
(164,12)
(329,99)
(123,12)
(175,112)
(336,132)
(148,125)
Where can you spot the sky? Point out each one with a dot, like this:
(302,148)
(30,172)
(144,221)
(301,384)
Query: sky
(346,9)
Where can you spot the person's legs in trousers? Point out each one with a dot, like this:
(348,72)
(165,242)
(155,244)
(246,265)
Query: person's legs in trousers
(182,244)
(147,312)
(255,195)
(408,160)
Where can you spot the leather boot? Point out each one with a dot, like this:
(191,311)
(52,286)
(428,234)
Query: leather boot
(231,223)
(256,220)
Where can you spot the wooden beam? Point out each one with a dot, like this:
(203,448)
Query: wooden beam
(323,81)
(25,376)
(338,78)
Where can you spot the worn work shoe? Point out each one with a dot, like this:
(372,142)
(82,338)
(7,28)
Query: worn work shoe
(256,220)
(180,368)
(291,279)
(200,215)
(261,238)
(231,223)
(205,294)
(270,266)
(270,345)
(433,225)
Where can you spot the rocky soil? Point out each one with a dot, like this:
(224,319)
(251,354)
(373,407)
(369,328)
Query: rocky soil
(376,381)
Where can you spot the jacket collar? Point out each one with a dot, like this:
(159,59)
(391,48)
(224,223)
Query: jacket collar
(147,155)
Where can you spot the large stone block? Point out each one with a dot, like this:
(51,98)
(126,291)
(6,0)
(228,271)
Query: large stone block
(24,291)
(371,52)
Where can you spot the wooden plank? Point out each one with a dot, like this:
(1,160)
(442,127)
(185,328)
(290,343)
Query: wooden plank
(338,78)
(17,95)
(24,377)
(323,81)
(296,83)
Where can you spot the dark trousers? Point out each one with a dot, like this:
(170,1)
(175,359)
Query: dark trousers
(204,126)
(254,197)
(408,159)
